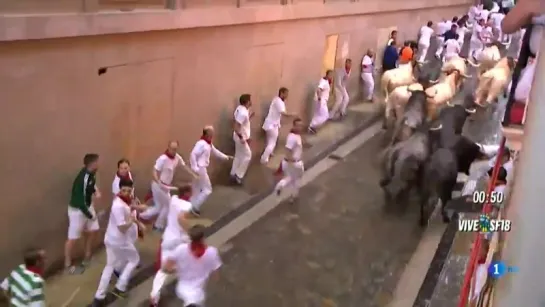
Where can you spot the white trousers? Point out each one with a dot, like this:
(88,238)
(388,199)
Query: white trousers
(202,188)
(449,56)
(293,174)
(368,85)
(190,293)
(243,155)
(161,277)
(341,102)
(422,51)
(440,43)
(270,145)
(114,256)
(161,200)
(475,46)
(321,114)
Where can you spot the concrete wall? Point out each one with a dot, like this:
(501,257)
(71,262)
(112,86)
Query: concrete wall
(160,84)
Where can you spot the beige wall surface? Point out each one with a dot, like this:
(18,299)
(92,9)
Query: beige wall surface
(159,85)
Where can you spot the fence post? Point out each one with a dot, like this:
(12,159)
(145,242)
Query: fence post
(526,246)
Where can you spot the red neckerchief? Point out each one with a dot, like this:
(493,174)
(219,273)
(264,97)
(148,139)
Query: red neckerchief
(328,80)
(128,201)
(36,270)
(207,139)
(347,70)
(125,177)
(169,155)
(198,248)
(294,131)
(184,197)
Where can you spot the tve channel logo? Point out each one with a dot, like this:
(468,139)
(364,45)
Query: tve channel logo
(498,269)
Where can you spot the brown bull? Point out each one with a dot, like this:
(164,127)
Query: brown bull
(442,92)
(494,82)
(403,75)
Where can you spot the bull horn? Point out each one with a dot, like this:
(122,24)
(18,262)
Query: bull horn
(434,81)
(471,111)
(472,63)
(449,104)
(437,128)
(465,76)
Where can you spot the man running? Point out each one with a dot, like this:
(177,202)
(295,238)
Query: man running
(273,121)
(193,262)
(174,235)
(25,285)
(161,185)
(292,165)
(119,240)
(321,96)
(199,160)
(241,137)
(82,217)
(424,40)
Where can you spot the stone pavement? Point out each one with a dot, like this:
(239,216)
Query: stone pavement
(337,246)
(78,291)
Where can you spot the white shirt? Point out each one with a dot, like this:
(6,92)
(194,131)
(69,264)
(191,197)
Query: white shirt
(442,27)
(274,117)
(484,14)
(174,234)
(474,11)
(115,184)
(325,87)
(495,8)
(166,166)
(508,166)
(425,35)
(477,29)
(200,155)
(487,34)
(461,31)
(341,79)
(367,64)
(295,144)
(119,215)
(452,47)
(242,116)
(194,272)
(497,18)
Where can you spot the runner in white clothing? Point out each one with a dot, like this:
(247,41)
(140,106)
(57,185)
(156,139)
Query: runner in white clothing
(292,166)
(193,262)
(121,235)
(174,235)
(452,49)
(442,27)
(424,40)
(163,173)
(321,111)
(341,93)
(199,160)
(273,121)
(476,43)
(367,75)
(241,137)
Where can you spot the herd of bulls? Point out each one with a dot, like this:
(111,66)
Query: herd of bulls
(426,148)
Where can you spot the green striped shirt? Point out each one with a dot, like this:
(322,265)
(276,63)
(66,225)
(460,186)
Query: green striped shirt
(25,288)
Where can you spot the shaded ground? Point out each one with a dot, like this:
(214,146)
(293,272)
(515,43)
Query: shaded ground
(336,247)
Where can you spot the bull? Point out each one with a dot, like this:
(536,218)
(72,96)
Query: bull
(403,75)
(403,164)
(487,58)
(443,92)
(398,98)
(441,172)
(414,114)
(494,82)
(453,119)
(457,63)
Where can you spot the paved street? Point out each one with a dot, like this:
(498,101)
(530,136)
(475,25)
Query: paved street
(336,247)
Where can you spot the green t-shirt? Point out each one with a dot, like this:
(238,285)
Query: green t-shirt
(83,189)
